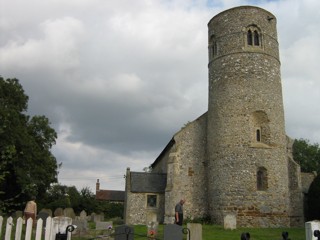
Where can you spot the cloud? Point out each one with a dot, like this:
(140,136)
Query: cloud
(118,78)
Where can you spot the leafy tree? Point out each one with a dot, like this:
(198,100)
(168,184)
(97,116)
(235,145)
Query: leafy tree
(28,167)
(307,155)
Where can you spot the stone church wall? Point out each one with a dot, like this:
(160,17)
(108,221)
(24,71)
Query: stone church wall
(186,171)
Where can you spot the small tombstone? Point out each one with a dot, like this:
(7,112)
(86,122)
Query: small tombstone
(58,212)
(82,225)
(69,212)
(103,225)
(43,216)
(310,228)
(18,214)
(83,215)
(172,232)
(124,232)
(47,210)
(230,222)
(152,229)
(60,225)
(195,231)
(97,217)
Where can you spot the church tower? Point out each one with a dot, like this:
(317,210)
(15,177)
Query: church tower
(247,168)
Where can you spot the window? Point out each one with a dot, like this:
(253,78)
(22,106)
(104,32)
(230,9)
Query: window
(249,37)
(258,135)
(152,201)
(213,46)
(253,36)
(256,38)
(262,179)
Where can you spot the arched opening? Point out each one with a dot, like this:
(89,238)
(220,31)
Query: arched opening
(262,179)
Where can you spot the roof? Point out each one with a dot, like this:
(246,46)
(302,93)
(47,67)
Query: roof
(110,195)
(143,182)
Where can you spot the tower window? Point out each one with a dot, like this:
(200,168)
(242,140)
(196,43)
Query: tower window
(253,35)
(258,135)
(256,38)
(262,179)
(249,37)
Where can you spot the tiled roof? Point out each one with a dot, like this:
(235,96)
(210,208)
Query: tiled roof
(110,195)
(148,182)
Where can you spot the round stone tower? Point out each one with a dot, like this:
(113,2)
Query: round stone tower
(246,142)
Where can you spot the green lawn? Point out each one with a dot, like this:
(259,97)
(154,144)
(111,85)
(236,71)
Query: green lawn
(214,232)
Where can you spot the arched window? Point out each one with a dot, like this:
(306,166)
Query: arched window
(253,35)
(262,179)
(256,38)
(258,135)
(249,37)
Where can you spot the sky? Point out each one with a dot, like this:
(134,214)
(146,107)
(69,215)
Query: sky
(118,78)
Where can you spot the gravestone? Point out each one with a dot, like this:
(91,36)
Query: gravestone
(310,228)
(124,232)
(58,212)
(97,217)
(60,225)
(230,221)
(172,232)
(18,214)
(69,212)
(43,216)
(47,210)
(83,215)
(103,225)
(82,225)
(195,231)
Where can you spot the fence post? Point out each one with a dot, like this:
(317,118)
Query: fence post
(29,229)
(39,229)
(18,229)
(8,228)
(48,228)
(1,221)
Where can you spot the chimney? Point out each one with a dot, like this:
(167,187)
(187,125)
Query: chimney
(97,186)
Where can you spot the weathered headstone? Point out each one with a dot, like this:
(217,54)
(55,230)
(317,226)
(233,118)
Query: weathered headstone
(230,221)
(43,216)
(18,214)
(60,225)
(83,215)
(58,212)
(310,228)
(172,232)
(69,212)
(195,231)
(103,225)
(152,228)
(82,225)
(124,232)
(97,217)
(47,210)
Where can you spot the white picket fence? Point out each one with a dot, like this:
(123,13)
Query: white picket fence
(47,232)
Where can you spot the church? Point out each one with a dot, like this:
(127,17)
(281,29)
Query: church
(235,160)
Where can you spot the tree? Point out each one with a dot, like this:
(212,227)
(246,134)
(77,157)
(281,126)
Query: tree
(28,167)
(307,155)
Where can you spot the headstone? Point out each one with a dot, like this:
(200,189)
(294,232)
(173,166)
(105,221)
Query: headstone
(69,212)
(172,232)
(58,212)
(47,210)
(97,217)
(83,215)
(152,228)
(43,216)
(230,222)
(82,225)
(195,231)
(60,225)
(103,225)
(18,214)
(310,228)
(124,232)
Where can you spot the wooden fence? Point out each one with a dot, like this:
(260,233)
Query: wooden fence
(21,230)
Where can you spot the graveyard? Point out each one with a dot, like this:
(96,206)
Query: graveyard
(95,226)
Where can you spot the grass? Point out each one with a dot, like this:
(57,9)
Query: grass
(215,232)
